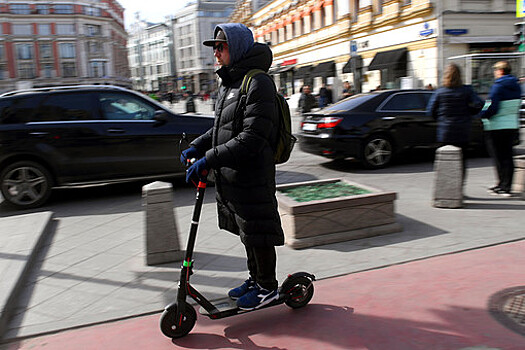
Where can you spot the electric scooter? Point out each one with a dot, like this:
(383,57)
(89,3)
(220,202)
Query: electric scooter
(179,317)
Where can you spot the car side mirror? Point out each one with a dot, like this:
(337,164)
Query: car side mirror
(161,117)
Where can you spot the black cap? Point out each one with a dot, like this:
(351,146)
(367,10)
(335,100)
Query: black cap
(219,38)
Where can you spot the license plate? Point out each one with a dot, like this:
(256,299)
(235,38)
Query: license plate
(309,127)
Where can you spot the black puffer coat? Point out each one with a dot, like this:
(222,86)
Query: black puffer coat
(243,159)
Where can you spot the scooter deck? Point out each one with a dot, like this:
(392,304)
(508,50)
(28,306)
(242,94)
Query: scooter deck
(226,306)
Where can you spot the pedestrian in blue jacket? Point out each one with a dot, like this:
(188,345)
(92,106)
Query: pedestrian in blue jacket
(453,105)
(500,117)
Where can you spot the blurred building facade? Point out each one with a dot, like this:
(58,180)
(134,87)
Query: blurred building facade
(60,42)
(375,43)
(150,55)
(195,63)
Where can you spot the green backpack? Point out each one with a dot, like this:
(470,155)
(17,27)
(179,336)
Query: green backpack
(285,139)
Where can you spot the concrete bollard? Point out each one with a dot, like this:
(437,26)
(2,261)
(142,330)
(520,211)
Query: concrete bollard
(448,178)
(162,236)
(518,182)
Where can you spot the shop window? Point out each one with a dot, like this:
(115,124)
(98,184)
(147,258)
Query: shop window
(46,70)
(26,70)
(68,69)
(98,69)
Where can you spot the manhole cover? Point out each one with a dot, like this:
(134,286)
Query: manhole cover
(508,307)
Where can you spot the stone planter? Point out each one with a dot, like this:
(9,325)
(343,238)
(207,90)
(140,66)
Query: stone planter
(331,220)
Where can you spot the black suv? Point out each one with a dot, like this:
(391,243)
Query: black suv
(80,135)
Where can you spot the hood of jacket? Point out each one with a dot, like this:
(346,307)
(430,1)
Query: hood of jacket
(239,38)
(511,88)
(245,54)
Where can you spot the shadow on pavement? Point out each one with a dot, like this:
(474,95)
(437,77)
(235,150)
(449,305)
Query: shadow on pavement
(106,199)
(412,230)
(344,327)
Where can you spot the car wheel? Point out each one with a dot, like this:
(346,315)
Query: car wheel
(377,152)
(26,184)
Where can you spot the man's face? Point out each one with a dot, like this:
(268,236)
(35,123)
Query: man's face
(306,89)
(222,53)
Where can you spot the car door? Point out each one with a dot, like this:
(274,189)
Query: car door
(66,134)
(136,144)
(405,114)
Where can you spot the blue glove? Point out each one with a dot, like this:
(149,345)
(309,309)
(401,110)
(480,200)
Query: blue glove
(188,154)
(198,171)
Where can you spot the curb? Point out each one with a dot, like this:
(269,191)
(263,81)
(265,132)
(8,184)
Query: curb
(36,239)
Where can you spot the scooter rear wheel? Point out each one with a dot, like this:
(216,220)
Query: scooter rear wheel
(300,291)
(168,322)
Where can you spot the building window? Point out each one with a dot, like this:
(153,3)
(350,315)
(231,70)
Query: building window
(47,70)
(68,69)
(2,53)
(63,9)
(94,47)
(92,30)
(24,51)
(66,50)
(20,9)
(92,11)
(26,70)
(98,69)
(46,51)
(44,29)
(159,69)
(22,29)
(42,9)
(65,29)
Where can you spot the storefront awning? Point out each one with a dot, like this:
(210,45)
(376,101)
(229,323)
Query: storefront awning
(357,61)
(389,59)
(326,69)
(302,72)
(283,69)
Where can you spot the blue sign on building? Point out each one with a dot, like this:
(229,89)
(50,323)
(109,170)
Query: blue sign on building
(456,31)
(427,31)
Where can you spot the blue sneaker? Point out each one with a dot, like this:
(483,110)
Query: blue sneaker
(238,292)
(257,298)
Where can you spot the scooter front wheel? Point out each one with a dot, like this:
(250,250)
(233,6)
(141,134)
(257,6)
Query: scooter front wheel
(299,290)
(169,325)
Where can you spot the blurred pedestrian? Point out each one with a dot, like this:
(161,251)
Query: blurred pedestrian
(347,90)
(500,117)
(307,101)
(325,96)
(189,101)
(453,105)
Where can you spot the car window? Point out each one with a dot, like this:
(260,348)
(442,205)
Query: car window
(350,102)
(121,106)
(406,102)
(18,110)
(65,107)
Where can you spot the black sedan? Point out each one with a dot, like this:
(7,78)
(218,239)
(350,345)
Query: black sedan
(374,127)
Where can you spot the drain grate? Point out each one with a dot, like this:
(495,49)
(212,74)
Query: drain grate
(508,307)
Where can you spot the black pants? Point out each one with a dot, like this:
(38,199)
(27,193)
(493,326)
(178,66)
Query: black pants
(262,262)
(500,144)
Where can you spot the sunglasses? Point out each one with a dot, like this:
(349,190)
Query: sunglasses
(219,47)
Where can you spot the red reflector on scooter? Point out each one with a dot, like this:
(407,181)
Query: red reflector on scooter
(327,152)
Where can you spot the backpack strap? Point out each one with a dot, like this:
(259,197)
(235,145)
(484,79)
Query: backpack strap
(243,93)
